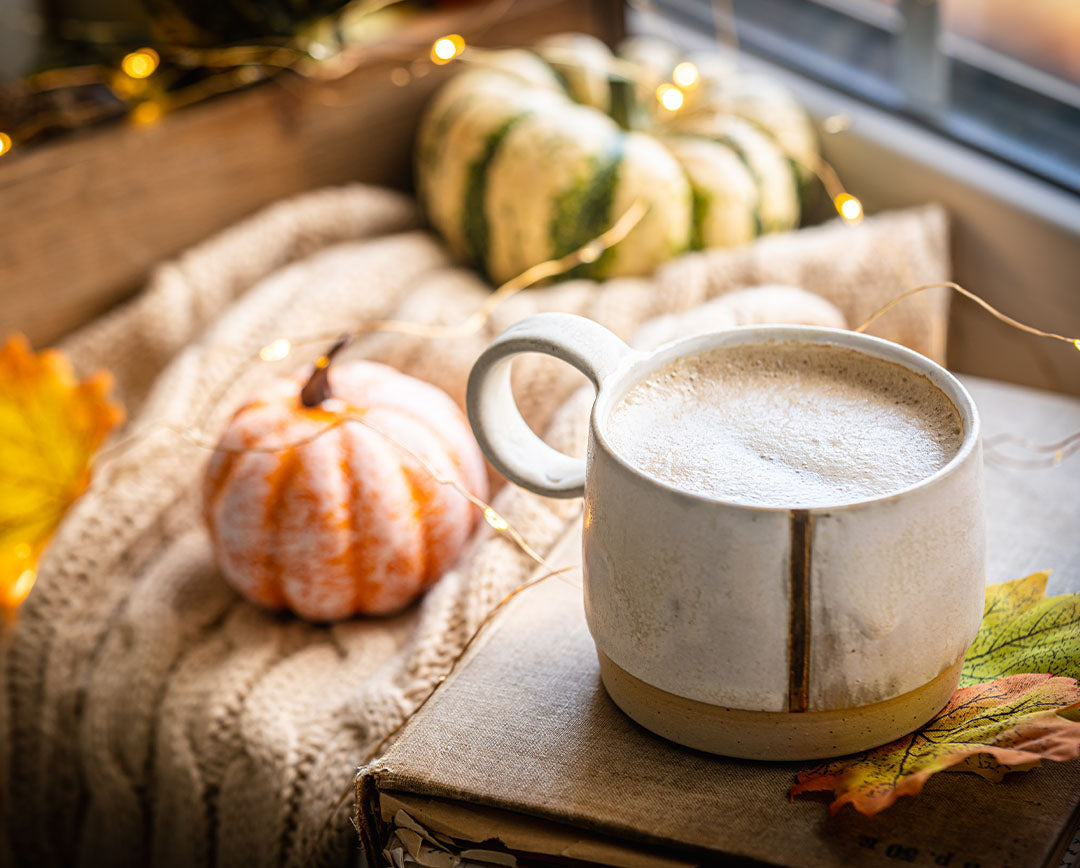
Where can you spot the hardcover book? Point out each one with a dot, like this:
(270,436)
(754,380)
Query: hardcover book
(521,758)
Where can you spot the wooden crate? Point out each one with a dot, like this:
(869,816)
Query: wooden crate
(86,218)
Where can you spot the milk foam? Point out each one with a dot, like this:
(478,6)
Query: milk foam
(786,425)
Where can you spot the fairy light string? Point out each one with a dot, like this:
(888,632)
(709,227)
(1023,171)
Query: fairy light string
(494,519)
(997,314)
(588,253)
(280,348)
(143,79)
(236,66)
(1050,454)
(671,97)
(850,208)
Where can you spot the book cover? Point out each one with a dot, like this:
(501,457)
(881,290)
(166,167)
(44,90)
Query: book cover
(521,757)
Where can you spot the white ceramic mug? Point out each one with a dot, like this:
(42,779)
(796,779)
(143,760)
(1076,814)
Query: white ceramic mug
(751,631)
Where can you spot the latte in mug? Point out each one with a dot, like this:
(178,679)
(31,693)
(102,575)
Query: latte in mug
(783,539)
(786,425)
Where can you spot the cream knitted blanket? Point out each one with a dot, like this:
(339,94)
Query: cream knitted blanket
(151,717)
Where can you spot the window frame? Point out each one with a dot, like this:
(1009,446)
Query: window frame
(935,72)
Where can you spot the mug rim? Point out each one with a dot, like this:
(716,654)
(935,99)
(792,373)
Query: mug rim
(640,363)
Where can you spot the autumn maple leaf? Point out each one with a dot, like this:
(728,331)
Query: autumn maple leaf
(1014,720)
(50,427)
(1012,711)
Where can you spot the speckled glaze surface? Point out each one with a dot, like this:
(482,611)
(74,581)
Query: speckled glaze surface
(751,608)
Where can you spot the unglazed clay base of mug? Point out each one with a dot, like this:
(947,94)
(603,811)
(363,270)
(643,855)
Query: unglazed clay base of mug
(775,735)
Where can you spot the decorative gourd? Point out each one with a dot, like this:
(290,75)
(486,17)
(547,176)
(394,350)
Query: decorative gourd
(346,522)
(520,159)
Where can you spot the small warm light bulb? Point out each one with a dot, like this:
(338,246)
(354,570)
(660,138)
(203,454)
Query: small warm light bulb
(849,207)
(590,252)
(5,143)
(446,48)
(670,97)
(20,588)
(494,519)
(275,351)
(1076,343)
(147,112)
(141,63)
(685,74)
(836,123)
(400,76)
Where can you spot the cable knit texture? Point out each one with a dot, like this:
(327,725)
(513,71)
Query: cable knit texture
(151,717)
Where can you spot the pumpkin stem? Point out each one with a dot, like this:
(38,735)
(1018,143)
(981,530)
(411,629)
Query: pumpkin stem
(317,388)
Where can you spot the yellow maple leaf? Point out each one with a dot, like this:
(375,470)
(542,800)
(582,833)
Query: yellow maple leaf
(1008,724)
(50,427)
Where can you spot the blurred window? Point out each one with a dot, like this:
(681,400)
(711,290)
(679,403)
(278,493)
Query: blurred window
(1003,76)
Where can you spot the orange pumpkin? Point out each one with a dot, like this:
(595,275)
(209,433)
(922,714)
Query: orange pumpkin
(347,522)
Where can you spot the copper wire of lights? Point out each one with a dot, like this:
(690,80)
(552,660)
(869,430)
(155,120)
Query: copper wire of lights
(496,521)
(997,314)
(1047,455)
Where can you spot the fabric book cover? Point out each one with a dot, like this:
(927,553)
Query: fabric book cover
(521,758)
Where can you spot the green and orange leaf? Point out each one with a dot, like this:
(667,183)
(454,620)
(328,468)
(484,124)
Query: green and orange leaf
(51,424)
(1014,722)
(1018,705)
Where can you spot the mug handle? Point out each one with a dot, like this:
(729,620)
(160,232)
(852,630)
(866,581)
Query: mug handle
(504,436)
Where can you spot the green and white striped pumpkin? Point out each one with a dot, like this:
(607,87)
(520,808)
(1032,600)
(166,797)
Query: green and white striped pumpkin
(519,159)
